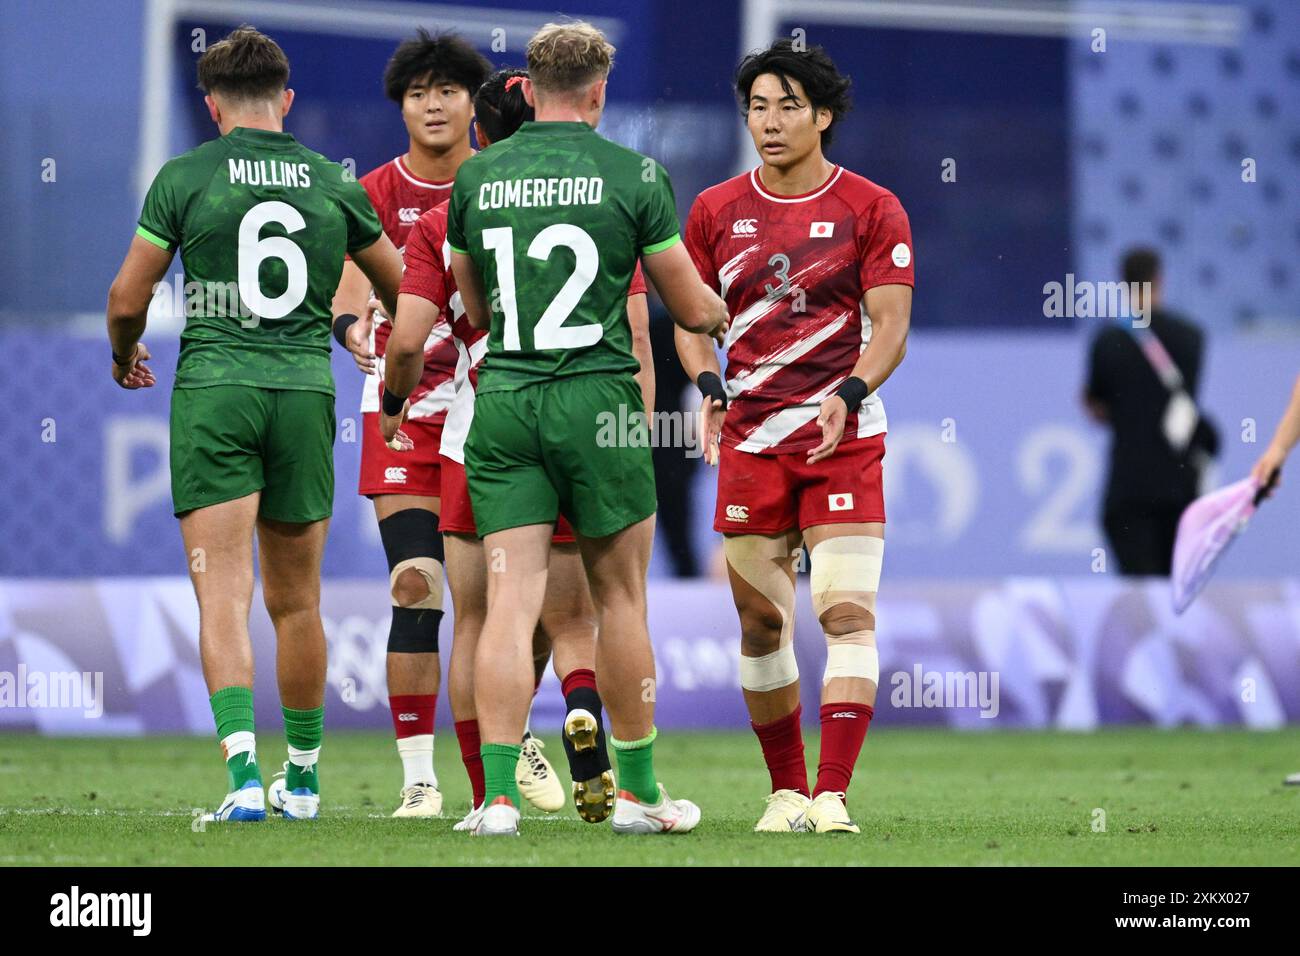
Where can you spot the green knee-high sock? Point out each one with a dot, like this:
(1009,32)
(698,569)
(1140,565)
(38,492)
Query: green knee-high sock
(499,761)
(303,729)
(636,766)
(232,709)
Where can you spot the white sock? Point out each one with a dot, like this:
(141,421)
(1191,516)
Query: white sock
(417,760)
(240,742)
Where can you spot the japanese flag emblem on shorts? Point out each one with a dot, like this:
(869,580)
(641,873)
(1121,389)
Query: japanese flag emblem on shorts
(840,502)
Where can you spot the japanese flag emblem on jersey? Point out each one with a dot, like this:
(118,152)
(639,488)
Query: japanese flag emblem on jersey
(821,230)
(840,502)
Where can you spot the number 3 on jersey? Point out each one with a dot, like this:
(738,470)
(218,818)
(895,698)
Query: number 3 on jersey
(549,333)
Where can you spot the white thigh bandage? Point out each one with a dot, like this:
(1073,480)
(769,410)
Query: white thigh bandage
(762,563)
(431,570)
(771,671)
(846,570)
(853,660)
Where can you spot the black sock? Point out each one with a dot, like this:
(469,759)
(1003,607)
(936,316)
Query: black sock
(589,764)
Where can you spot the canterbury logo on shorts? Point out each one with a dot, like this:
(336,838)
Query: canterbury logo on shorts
(737,513)
(395,475)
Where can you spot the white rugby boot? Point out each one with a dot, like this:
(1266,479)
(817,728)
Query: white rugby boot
(499,818)
(245,805)
(666,816)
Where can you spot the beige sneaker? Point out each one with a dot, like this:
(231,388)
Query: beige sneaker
(536,778)
(786,813)
(420,800)
(827,814)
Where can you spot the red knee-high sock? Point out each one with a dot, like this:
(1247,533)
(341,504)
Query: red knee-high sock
(468,736)
(844,727)
(782,743)
(412,714)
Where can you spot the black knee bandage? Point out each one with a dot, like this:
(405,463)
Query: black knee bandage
(411,533)
(414,630)
(412,542)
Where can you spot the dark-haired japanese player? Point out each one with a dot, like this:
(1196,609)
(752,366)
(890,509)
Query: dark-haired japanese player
(815,264)
(433,79)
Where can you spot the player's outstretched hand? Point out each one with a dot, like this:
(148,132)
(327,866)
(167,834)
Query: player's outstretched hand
(390,426)
(831,418)
(1269,467)
(712,413)
(358,343)
(135,374)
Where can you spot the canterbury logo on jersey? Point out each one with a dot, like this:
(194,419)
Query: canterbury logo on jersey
(395,475)
(744,227)
(408,214)
(737,513)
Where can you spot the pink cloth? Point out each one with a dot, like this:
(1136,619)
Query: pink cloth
(1205,530)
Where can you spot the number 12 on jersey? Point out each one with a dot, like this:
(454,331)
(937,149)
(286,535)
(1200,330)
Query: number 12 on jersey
(550,332)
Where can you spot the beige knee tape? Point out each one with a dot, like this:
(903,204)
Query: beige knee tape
(429,569)
(761,562)
(848,656)
(846,571)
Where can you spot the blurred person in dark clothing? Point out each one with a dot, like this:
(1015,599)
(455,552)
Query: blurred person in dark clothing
(1142,384)
(674,469)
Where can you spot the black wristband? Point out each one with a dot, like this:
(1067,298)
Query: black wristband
(711,386)
(125,361)
(393,404)
(341,325)
(854,391)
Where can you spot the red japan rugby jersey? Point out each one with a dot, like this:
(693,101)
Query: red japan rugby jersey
(400,198)
(793,271)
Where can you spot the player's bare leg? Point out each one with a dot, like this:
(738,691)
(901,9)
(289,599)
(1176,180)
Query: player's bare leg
(516,561)
(290,556)
(569,621)
(846,561)
(616,570)
(467,580)
(219,548)
(408,525)
(761,569)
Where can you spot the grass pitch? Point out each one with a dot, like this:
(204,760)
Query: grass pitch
(921,797)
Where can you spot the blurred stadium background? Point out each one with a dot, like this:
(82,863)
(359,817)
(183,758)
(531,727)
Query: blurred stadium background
(1064,157)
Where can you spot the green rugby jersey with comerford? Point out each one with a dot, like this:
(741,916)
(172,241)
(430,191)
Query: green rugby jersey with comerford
(262,224)
(555,219)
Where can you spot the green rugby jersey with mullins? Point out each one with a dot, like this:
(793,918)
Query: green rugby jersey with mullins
(555,218)
(262,224)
